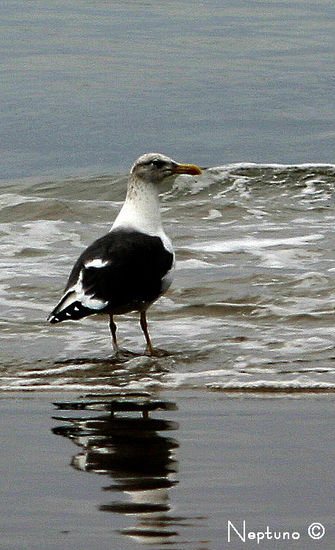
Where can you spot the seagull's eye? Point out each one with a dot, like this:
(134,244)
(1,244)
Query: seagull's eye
(158,163)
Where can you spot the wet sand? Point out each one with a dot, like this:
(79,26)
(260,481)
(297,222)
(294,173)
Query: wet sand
(177,477)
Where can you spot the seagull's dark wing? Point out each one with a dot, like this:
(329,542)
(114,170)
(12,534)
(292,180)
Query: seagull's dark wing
(120,272)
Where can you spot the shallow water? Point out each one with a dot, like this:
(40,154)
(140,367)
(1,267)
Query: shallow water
(88,87)
(250,308)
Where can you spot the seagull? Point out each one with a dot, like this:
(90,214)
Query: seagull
(132,266)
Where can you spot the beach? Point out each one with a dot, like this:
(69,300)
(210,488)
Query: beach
(223,458)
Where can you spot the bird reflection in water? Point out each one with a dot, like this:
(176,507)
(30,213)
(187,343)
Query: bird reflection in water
(131,451)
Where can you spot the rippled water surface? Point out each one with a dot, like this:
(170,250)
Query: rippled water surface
(86,88)
(251,307)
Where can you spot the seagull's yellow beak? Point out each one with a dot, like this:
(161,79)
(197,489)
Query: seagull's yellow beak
(191,169)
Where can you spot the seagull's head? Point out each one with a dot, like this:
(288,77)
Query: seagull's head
(155,167)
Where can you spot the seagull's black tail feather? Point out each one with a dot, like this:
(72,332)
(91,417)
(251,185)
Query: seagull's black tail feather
(72,312)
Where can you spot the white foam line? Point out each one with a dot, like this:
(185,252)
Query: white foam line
(180,377)
(234,385)
(55,370)
(274,166)
(251,243)
(66,386)
(275,385)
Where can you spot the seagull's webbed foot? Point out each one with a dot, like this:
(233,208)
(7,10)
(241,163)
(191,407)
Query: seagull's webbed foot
(122,355)
(156,352)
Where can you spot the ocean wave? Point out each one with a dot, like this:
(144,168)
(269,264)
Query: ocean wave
(253,292)
(295,386)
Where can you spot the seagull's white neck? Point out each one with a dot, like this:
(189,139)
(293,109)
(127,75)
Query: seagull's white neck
(140,210)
